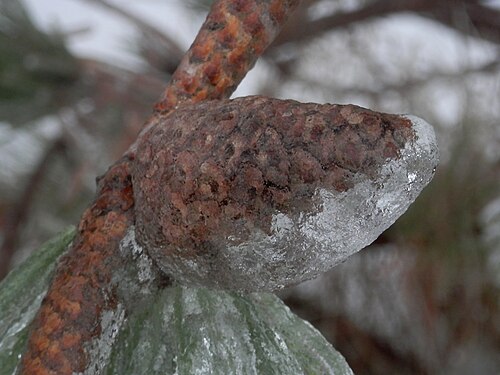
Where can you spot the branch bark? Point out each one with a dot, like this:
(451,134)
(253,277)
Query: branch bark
(375,9)
(485,21)
(233,36)
(230,41)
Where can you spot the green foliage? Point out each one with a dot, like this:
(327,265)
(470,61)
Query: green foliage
(203,331)
(35,67)
(21,293)
(174,330)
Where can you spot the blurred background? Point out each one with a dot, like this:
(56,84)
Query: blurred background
(79,77)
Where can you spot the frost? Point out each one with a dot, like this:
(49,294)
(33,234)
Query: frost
(21,293)
(203,331)
(143,263)
(25,318)
(17,329)
(303,244)
(100,348)
(171,330)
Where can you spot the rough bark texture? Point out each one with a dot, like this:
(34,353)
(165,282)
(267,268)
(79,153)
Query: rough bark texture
(221,168)
(82,288)
(69,318)
(233,36)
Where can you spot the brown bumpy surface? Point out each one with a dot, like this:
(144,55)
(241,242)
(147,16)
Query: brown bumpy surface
(229,43)
(234,35)
(222,167)
(82,289)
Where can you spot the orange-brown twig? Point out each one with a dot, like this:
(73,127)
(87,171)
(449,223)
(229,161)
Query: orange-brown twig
(235,34)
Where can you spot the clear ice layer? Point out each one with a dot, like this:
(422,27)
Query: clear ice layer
(158,330)
(302,245)
(186,331)
(21,294)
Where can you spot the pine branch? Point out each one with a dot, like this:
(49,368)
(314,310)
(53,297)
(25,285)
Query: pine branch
(82,287)
(478,20)
(233,36)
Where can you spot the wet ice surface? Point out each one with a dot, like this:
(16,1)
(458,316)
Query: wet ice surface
(9,341)
(135,285)
(100,349)
(21,294)
(142,271)
(305,244)
(158,330)
(185,331)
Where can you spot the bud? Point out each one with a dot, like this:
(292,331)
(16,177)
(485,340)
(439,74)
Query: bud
(258,193)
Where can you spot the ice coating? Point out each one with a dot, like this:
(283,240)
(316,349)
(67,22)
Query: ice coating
(187,331)
(136,284)
(160,330)
(274,192)
(304,245)
(100,348)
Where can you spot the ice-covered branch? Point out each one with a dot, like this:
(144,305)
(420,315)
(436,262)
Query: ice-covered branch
(258,193)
